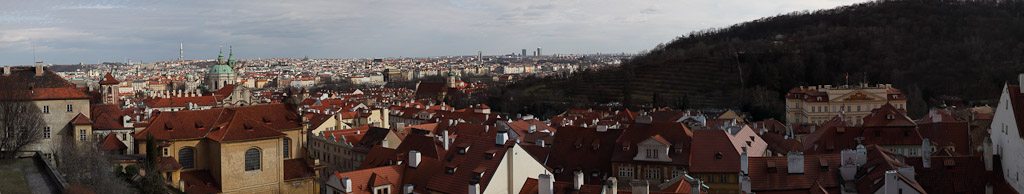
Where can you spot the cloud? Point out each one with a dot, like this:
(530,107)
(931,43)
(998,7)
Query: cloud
(65,31)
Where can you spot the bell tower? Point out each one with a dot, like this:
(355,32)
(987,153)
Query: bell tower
(109,89)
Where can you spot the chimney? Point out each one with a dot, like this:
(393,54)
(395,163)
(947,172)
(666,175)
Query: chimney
(181,184)
(745,184)
(474,188)
(695,185)
(1020,80)
(795,162)
(39,69)
(907,172)
(926,153)
(602,128)
(989,189)
(611,186)
(540,142)
(408,188)
(7,70)
(744,163)
(414,158)
(848,168)
(891,184)
(988,154)
(347,183)
(644,119)
(577,181)
(862,155)
(640,186)
(545,184)
(444,138)
(501,138)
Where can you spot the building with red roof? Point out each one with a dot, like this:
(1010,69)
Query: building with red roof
(818,104)
(64,107)
(654,151)
(1007,132)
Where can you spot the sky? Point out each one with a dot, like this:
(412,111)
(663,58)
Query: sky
(91,31)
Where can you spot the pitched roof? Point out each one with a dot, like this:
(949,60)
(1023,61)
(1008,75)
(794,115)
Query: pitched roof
(108,80)
(1017,102)
(763,179)
(223,124)
(674,133)
(888,116)
(969,170)
(81,119)
(181,101)
(200,181)
(713,152)
(560,187)
(297,169)
(168,163)
(110,142)
(24,85)
(586,158)
(106,116)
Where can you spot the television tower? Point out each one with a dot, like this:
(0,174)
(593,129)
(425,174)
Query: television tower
(181,51)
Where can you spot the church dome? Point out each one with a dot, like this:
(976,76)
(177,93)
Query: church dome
(221,69)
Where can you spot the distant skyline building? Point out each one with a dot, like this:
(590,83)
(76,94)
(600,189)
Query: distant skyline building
(524,52)
(181,51)
(538,52)
(480,57)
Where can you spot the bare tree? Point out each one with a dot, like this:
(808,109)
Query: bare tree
(21,124)
(82,163)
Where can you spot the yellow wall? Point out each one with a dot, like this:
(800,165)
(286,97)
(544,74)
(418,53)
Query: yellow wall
(234,178)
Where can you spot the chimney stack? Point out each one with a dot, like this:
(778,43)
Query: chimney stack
(744,162)
(39,68)
(891,184)
(1020,79)
(640,186)
(414,158)
(501,138)
(988,154)
(795,162)
(445,139)
(611,186)
(474,188)
(577,181)
(7,70)
(408,188)
(545,184)
(926,153)
(347,183)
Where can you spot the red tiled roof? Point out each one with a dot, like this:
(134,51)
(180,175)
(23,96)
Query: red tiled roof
(106,116)
(168,163)
(585,158)
(200,181)
(111,142)
(1017,102)
(762,178)
(947,134)
(674,133)
(108,80)
(181,101)
(23,84)
(969,170)
(713,152)
(223,124)
(363,181)
(888,116)
(81,119)
(560,187)
(297,168)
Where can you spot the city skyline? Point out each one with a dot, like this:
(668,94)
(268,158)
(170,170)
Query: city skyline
(62,32)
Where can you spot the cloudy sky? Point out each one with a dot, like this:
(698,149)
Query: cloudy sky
(65,32)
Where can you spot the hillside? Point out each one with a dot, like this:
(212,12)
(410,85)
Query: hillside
(927,48)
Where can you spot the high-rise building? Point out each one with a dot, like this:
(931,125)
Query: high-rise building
(480,56)
(524,52)
(538,52)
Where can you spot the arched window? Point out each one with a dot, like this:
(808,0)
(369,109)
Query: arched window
(287,148)
(186,157)
(252,159)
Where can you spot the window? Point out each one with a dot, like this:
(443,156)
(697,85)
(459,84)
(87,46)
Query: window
(676,173)
(71,108)
(287,148)
(652,173)
(186,157)
(913,152)
(626,172)
(168,176)
(81,134)
(166,151)
(383,190)
(46,109)
(46,133)
(652,153)
(252,159)
(858,108)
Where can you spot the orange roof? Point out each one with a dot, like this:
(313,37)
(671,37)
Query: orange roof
(112,143)
(81,119)
(108,80)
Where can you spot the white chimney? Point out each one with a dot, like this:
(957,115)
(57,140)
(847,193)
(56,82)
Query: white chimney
(7,70)
(891,184)
(39,69)
(602,128)
(744,163)
(414,158)
(545,184)
(445,139)
(696,185)
(989,189)
(408,188)
(611,186)
(926,153)
(577,180)
(795,162)
(849,166)
(862,155)
(644,119)
(347,183)
(474,188)
(182,186)
(501,138)
(540,142)
(987,152)
(640,186)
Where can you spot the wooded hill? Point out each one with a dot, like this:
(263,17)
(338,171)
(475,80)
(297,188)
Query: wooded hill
(927,48)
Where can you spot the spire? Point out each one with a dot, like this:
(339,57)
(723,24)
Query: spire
(231,56)
(220,57)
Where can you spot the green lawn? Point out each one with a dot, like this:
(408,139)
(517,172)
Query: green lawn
(12,178)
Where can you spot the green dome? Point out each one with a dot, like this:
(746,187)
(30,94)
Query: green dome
(221,69)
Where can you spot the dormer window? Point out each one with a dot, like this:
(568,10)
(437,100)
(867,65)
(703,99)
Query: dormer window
(890,117)
(652,153)
(718,155)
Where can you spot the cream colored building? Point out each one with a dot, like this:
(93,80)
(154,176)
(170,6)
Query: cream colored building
(60,102)
(252,149)
(818,104)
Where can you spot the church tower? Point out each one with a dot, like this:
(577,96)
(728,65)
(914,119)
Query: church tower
(109,89)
